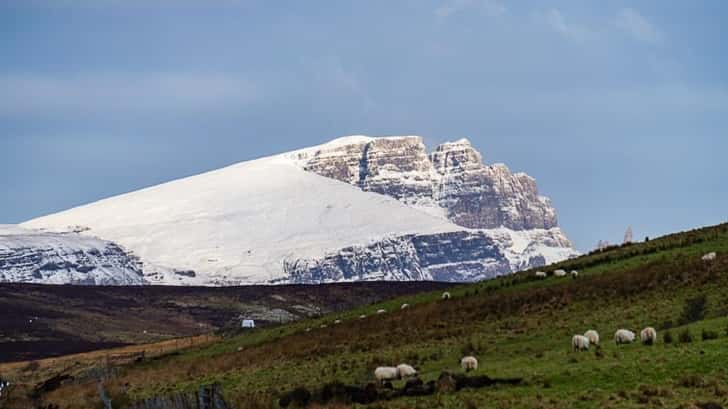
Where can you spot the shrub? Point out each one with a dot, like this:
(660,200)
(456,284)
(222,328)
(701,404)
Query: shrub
(667,337)
(692,381)
(706,335)
(685,336)
(694,309)
(666,325)
(298,397)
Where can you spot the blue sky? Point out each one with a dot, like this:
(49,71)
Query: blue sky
(619,109)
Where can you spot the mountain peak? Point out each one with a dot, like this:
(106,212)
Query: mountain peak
(402,214)
(451,182)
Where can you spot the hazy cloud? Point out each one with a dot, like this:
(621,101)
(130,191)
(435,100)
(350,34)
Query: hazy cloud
(44,95)
(555,20)
(636,25)
(493,8)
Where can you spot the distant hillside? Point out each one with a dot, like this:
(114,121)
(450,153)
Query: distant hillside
(40,321)
(519,327)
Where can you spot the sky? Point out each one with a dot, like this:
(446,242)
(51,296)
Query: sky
(619,109)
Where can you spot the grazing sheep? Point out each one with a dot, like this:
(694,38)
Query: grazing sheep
(541,274)
(308,329)
(337,322)
(406,371)
(3,385)
(560,273)
(361,317)
(709,256)
(446,295)
(386,373)
(579,343)
(382,311)
(648,336)
(404,306)
(623,336)
(469,363)
(324,325)
(592,336)
(574,274)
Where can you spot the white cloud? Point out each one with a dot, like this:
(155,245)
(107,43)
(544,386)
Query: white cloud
(556,21)
(492,8)
(44,95)
(636,25)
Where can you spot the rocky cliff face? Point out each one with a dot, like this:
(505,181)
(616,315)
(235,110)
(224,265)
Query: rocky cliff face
(64,258)
(456,257)
(452,180)
(512,226)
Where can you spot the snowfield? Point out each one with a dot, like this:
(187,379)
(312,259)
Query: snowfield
(237,224)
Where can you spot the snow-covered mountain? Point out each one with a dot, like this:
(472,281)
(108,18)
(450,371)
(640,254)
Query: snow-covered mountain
(28,256)
(354,208)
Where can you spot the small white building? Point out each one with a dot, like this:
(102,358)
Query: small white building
(248,324)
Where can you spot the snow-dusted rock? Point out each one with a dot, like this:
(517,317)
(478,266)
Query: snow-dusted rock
(452,180)
(30,256)
(457,257)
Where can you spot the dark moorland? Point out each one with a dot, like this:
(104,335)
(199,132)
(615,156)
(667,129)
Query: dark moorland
(40,321)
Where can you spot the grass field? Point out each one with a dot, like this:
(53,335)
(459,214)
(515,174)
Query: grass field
(517,326)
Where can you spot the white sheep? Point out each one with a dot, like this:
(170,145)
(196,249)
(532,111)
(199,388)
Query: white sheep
(406,371)
(404,306)
(337,322)
(648,336)
(709,256)
(623,336)
(592,336)
(324,326)
(560,273)
(541,274)
(382,311)
(574,274)
(469,363)
(579,343)
(308,329)
(361,317)
(446,295)
(386,373)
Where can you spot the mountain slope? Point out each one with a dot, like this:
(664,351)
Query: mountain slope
(28,256)
(238,224)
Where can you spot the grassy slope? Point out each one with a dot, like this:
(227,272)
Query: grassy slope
(517,326)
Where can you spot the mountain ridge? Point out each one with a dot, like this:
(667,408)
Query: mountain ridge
(248,222)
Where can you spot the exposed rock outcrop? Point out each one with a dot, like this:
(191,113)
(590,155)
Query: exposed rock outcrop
(64,258)
(456,257)
(452,179)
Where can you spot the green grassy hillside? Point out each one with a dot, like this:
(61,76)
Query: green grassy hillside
(518,326)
